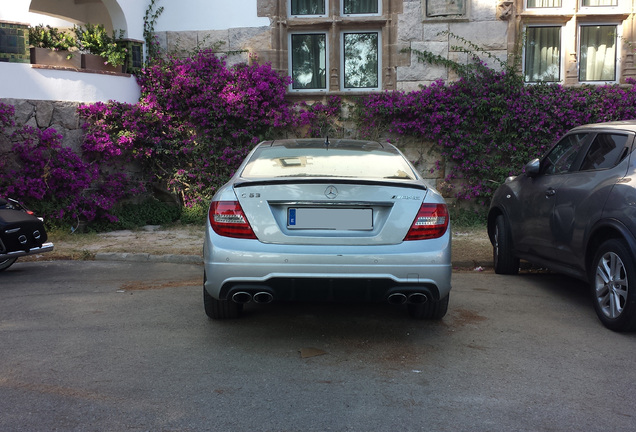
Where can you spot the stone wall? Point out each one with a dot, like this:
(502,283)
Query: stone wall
(61,116)
(480,25)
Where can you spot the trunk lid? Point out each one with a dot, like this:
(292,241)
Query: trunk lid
(330,213)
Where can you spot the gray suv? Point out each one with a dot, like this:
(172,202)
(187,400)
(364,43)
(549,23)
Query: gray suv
(574,211)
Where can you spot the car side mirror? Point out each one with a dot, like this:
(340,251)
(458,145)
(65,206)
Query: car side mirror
(532,168)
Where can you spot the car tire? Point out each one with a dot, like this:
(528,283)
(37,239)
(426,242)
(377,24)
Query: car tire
(7,263)
(431,310)
(504,261)
(220,309)
(613,284)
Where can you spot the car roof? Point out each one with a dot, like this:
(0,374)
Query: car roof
(623,125)
(330,142)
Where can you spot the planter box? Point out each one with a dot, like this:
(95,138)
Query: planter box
(46,56)
(97,63)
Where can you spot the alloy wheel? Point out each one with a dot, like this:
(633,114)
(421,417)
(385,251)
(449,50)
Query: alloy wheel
(611,285)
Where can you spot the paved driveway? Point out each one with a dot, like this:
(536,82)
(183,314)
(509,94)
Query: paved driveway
(94,346)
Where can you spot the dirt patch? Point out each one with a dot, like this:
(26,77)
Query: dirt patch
(471,247)
(178,240)
(155,285)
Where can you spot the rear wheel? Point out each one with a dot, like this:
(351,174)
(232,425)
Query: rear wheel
(7,263)
(505,262)
(613,284)
(220,309)
(431,310)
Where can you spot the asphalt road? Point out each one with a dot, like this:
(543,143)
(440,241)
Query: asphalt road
(124,346)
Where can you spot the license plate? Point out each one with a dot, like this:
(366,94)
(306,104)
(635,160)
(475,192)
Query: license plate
(330,218)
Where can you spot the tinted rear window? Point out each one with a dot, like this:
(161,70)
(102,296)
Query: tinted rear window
(278,161)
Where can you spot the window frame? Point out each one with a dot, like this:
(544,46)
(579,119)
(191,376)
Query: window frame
(343,14)
(596,9)
(561,52)
(542,8)
(325,15)
(617,52)
(342,61)
(291,88)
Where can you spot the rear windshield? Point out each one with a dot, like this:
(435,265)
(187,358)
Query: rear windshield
(276,162)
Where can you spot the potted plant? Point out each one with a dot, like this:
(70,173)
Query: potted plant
(50,46)
(100,51)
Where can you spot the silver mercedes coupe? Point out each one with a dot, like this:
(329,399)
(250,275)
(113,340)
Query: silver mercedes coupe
(327,220)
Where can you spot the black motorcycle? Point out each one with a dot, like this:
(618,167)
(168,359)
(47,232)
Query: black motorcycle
(21,233)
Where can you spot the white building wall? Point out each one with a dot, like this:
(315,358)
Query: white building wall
(21,81)
(178,15)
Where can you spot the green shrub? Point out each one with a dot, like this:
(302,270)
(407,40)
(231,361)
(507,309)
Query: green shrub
(196,214)
(149,212)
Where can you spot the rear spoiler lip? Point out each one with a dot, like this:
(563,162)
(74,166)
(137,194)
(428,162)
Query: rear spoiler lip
(328,180)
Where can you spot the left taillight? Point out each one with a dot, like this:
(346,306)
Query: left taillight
(227,219)
(431,222)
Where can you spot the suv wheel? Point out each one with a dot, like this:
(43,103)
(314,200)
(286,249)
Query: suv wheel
(613,283)
(505,262)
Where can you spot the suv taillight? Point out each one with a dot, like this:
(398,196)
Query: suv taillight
(431,222)
(227,219)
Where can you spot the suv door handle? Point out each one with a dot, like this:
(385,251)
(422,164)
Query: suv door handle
(550,193)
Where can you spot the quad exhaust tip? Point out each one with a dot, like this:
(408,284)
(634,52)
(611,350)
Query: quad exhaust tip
(261,297)
(241,297)
(398,298)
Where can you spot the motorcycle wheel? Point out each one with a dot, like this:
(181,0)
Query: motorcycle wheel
(7,263)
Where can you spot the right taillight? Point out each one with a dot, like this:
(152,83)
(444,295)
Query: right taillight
(431,222)
(227,219)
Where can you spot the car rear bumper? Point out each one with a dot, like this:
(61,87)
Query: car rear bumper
(304,272)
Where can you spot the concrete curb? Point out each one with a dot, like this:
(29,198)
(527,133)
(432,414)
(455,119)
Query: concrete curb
(144,257)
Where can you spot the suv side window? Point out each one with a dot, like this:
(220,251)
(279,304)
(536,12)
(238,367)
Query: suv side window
(605,152)
(563,154)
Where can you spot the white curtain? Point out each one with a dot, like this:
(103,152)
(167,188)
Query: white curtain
(597,53)
(308,7)
(599,2)
(360,6)
(543,54)
(546,3)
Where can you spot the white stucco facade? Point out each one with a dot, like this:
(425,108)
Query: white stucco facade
(22,81)
(128,15)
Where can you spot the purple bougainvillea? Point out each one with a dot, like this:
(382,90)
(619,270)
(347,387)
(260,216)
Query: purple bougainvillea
(197,119)
(490,124)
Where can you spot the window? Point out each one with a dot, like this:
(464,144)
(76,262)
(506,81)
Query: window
(329,53)
(597,53)
(587,3)
(605,152)
(563,155)
(352,7)
(545,3)
(361,61)
(307,7)
(308,53)
(341,160)
(542,60)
